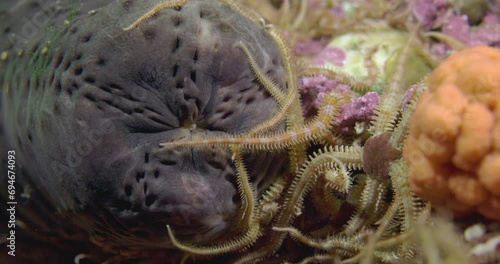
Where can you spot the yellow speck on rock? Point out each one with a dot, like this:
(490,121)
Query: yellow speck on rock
(5,55)
(45,50)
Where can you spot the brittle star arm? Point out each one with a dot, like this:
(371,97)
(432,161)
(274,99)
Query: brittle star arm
(297,153)
(358,85)
(352,243)
(285,101)
(336,178)
(248,13)
(268,205)
(389,256)
(387,110)
(249,216)
(402,129)
(315,130)
(288,101)
(409,206)
(372,202)
(157,8)
(269,84)
(178,3)
(299,187)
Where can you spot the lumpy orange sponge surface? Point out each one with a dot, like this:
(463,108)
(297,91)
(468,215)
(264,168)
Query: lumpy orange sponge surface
(453,150)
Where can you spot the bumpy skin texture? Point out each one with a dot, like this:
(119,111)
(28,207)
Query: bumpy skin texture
(86,116)
(453,150)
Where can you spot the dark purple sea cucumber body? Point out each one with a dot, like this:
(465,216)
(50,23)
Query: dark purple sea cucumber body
(86,103)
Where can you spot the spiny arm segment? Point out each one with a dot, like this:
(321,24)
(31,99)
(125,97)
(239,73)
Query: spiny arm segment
(360,85)
(387,109)
(279,116)
(294,119)
(354,242)
(247,194)
(268,204)
(370,207)
(301,16)
(269,85)
(410,208)
(300,186)
(157,8)
(248,13)
(178,3)
(286,53)
(285,101)
(289,101)
(315,130)
(318,164)
(241,242)
(250,219)
(318,258)
(402,129)
(351,156)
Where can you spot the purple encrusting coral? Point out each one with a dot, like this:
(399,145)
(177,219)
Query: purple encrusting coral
(333,55)
(410,94)
(317,47)
(314,89)
(358,110)
(309,48)
(442,16)
(428,12)
(487,33)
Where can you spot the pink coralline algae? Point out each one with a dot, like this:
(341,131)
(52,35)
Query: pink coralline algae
(333,55)
(358,110)
(409,94)
(314,89)
(441,15)
(309,48)
(427,12)
(487,33)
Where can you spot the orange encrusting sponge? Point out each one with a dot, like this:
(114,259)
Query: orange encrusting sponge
(453,149)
